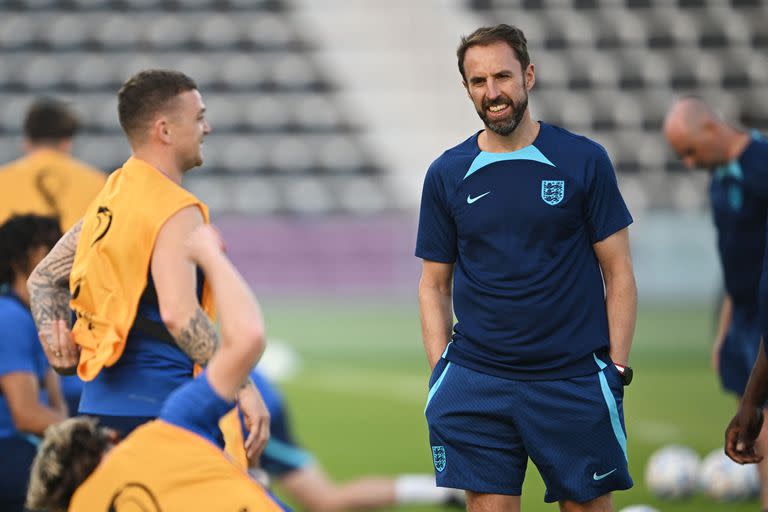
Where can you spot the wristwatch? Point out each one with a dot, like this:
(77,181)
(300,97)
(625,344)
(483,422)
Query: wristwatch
(625,372)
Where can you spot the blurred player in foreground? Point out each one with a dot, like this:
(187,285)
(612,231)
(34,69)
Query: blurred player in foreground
(48,180)
(144,312)
(524,231)
(738,162)
(174,462)
(305,481)
(30,396)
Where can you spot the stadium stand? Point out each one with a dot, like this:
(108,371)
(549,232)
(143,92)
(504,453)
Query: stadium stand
(609,69)
(279,135)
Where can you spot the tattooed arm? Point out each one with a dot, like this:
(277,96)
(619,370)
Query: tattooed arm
(49,301)
(175,280)
(49,283)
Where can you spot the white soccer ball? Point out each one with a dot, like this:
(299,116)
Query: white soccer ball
(639,508)
(725,480)
(672,472)
(279,361)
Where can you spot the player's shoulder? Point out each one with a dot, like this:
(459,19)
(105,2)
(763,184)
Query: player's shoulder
(9,169)
(456,159)
(573,144)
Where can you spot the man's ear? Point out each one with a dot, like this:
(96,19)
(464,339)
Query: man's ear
(162,130)
(530,77)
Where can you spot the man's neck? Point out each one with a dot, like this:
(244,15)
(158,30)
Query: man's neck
(737,141)
(524,135)
(162,162)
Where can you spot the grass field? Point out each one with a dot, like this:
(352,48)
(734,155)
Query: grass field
(358,399)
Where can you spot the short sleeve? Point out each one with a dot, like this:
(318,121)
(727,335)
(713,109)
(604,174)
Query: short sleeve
(606,211)
(753,165)
(196,407)
(16,349)
(436,239)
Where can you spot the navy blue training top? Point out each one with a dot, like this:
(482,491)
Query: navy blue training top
(149,369)
(519,227)
(739,209)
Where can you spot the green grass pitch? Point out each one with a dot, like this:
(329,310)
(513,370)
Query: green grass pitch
(357,402)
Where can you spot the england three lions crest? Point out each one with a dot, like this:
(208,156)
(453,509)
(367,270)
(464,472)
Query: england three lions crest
(552,191)
(438,455)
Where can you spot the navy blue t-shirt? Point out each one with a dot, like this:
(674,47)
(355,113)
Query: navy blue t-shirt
(740,209)
(519,227)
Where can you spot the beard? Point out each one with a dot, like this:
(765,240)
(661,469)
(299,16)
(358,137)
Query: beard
(506,126)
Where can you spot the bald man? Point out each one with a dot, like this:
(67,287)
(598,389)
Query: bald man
(738,162)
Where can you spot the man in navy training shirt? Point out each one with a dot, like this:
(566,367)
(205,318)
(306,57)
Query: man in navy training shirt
(522,227)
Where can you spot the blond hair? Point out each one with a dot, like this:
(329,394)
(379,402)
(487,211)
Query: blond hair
(69,453)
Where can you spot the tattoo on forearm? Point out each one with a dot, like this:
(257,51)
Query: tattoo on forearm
(49,283)
(198,339)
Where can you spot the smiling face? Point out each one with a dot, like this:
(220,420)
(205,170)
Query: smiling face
(498,86)
(188,125)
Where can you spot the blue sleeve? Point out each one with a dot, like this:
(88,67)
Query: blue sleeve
(606,211)
(16,348)
(436,239)
(754,167)
(196,407)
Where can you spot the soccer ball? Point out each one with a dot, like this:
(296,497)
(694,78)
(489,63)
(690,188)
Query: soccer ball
(725,480)
(639,508)
(672,472)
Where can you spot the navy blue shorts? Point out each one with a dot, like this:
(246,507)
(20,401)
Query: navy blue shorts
(739,350)
(483,429)
(17,456)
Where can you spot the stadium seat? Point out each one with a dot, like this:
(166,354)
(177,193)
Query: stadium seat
(307,195)
(166,31)
(360,194)
(314,111)
(245,71)
(218,32)
(338,154)
(116,31)
(290,154)
(292,71)
(267,31)
(262,112)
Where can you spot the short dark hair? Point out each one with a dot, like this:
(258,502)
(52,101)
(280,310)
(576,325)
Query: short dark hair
(49,119)
(21,234)
(69,453)
(146,93)
(501,33)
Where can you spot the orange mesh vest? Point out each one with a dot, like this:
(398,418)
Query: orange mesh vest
(113,256)
(162,467)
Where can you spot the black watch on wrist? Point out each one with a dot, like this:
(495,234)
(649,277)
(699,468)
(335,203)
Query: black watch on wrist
(625,372)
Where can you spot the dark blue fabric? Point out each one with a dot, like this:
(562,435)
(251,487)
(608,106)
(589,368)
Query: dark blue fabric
(15,464)
(739,350)
(146,373)
(196,407)
(122,424)
(71,388)
(20,351)
(739,208)
(528,292)
(483,429)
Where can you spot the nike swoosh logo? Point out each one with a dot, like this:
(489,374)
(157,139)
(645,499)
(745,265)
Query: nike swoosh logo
(471,199)
(595,476)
